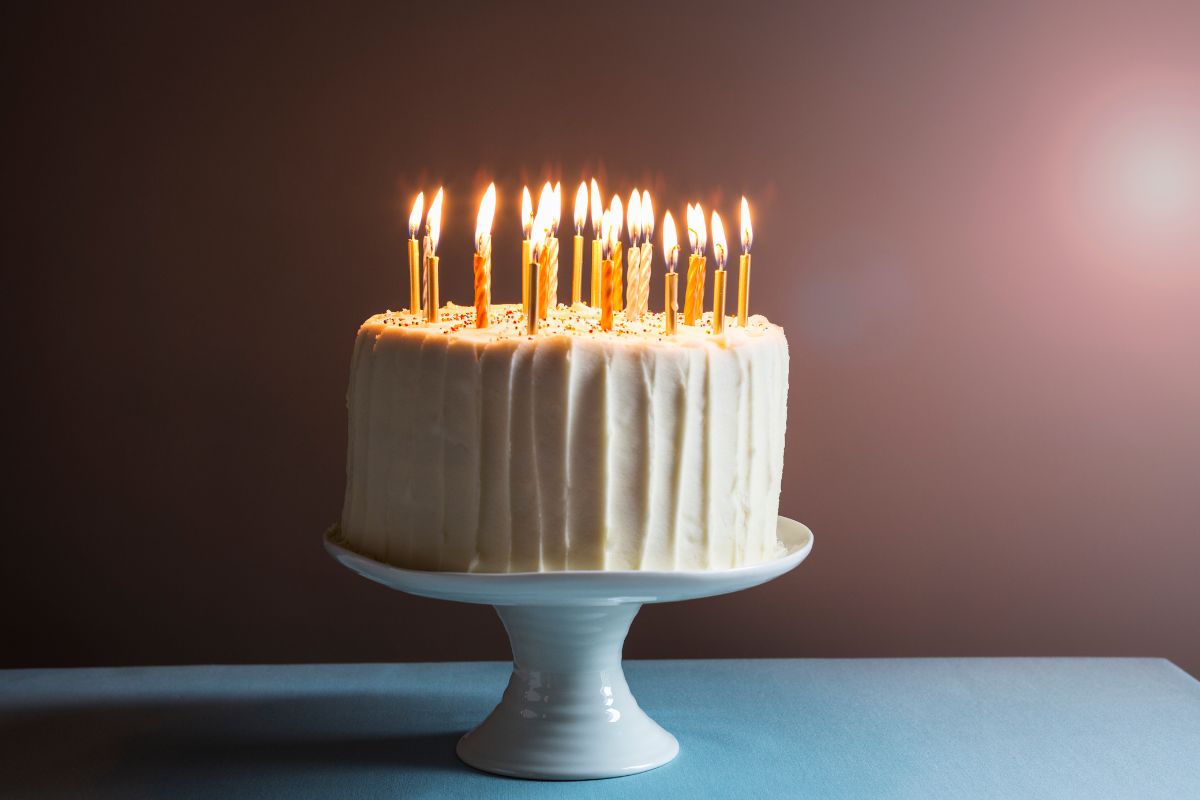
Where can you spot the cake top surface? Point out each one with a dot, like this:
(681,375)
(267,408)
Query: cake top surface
(580,321)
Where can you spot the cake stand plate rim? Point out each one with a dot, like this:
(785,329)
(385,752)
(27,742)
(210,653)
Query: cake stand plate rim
(577,586)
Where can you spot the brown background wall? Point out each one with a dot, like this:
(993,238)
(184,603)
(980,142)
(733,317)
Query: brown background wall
(978,225)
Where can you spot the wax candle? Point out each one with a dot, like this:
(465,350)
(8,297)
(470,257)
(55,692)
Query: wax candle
(634,256)
(541,228)
(693,301)
(483,256)
(551,300)
(597,243)
(531,320)
(433,229)
(540,234)
(671,285)
(744,265)
(720,255)
(414,255)
(526,246)
(617,213)
(581,204)
(606,273)
(647,230)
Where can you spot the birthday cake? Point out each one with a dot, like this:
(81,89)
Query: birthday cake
(577,448)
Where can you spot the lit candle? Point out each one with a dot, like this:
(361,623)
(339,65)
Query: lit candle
(744,265)
(634,256)
(671,286)
(537,286)
(414,255)
(647,253)
(597,242)
(693,299)
(542,229)
(618,217)
(483,256)
(606,272)
(581,205)
(550,301)
(433,229)
(526,246)
(721,256)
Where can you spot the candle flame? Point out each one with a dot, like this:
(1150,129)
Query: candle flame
(545,207)
(634,215)
(618,216)
(606,234)
(597,211)
(526,212)
(614,230)
(647,217)
(544,222)
(720,253)
(557,206)
(483,223)
(414,219)
(581,207)
(747,230)
(697,235)
(433,222)
(670,242)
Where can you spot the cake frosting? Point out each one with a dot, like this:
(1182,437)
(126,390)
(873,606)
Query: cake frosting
(490,450)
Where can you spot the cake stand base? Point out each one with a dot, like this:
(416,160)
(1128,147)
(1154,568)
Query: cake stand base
(567,713)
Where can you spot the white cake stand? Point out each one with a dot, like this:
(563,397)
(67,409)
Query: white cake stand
(567,713)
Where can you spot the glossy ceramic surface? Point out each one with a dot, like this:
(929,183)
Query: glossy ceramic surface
(568,713)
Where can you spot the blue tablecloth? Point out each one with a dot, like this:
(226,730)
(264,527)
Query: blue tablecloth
(923,728)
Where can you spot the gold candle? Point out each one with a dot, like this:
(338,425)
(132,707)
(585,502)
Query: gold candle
(531,320)
(743,288)
(744,265)
(596,268)
(581,205)
(670,302)
(431,309)
(526,245)
(597,208)
(718,320)
(577,272)
(617,299)
(526,256)
(720,255)
(433,229)
(671,286)
(414,255)
(414,276)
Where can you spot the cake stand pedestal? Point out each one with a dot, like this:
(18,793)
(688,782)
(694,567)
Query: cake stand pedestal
(567,713)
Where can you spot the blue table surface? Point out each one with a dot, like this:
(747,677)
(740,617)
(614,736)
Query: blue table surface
(919,728)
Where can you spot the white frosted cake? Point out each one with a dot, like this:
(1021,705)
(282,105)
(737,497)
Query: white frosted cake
(487,450)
